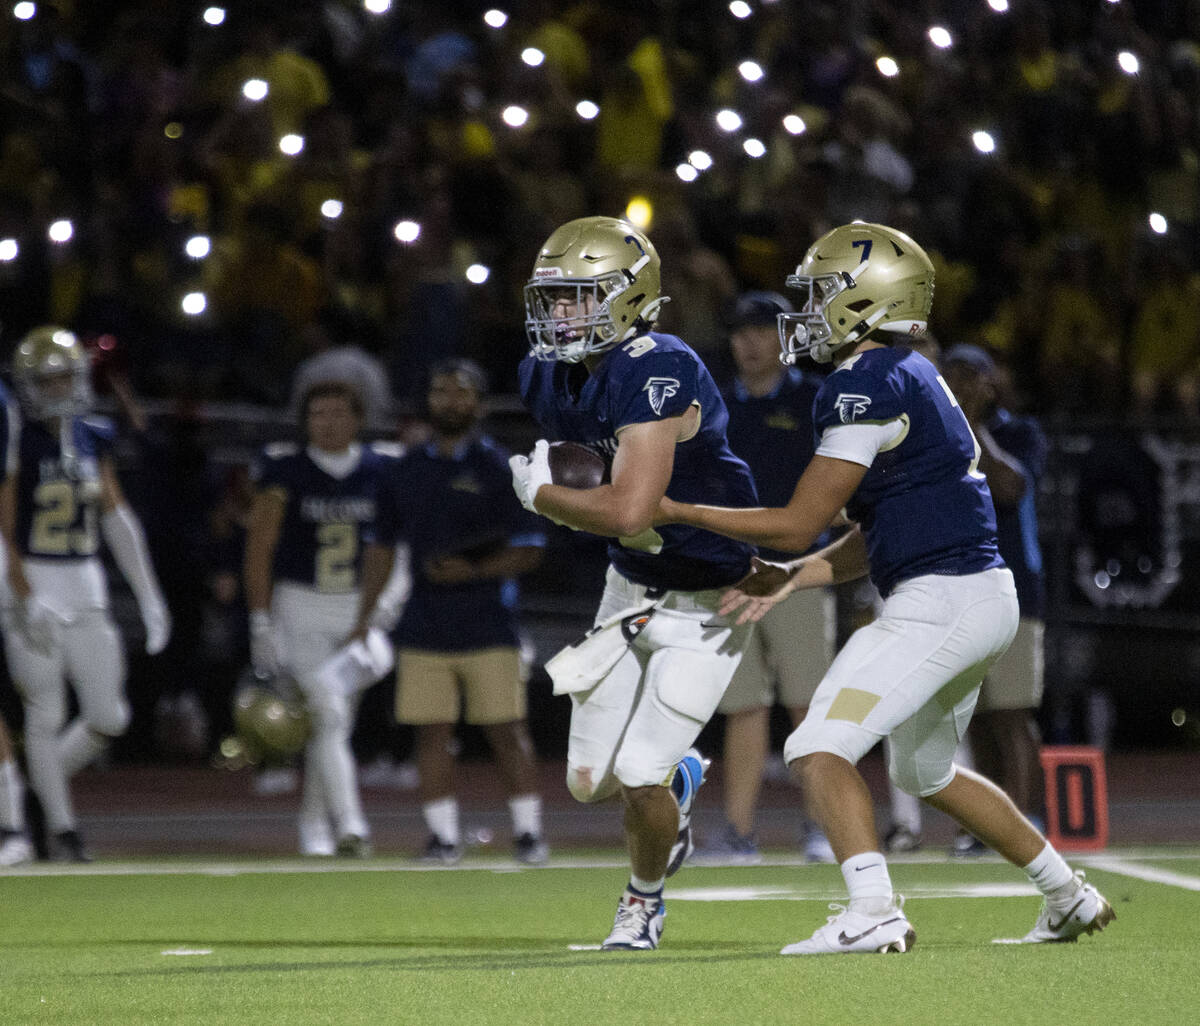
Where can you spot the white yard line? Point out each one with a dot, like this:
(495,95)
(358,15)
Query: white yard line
(1126,867)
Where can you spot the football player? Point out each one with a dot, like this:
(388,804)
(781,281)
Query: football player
(67,497)
(302,575)
(597,373)
(896,453)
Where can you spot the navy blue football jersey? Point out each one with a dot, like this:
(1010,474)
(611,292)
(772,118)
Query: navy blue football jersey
(774,434)
(1017,526)
(459,505)
(321,537)
(641,381)
(58,487)
(924,507)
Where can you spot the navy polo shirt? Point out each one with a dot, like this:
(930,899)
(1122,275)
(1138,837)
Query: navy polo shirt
(458,506)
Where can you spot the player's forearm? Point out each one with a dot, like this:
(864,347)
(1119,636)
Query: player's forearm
(844,559)
(376,570)
(605,510)
(1005,477)
(774,528)
(256,575)
(512,561)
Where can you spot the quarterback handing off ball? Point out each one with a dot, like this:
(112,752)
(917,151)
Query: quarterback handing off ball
(575,466)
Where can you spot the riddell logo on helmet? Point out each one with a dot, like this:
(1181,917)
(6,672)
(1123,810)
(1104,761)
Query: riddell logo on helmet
(915,329)
(547,272)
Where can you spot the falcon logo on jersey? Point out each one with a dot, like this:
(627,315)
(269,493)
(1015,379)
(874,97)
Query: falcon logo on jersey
(660,389)
(850,406)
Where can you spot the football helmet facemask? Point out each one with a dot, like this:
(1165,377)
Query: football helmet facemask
(854,280)
(52,352)
(596,282)
(269,715)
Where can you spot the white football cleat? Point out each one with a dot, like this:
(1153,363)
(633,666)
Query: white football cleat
(15,849)
(851,933)
(1088,912)
(638,924)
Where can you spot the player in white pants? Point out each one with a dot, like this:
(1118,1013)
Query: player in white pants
(67,497)
(302,565)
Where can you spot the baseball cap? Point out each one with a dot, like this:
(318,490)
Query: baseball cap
(972,356)
(757,307)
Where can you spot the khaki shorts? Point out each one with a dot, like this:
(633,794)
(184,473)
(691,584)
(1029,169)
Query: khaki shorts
(788,654)
(434,687)
(1015,681)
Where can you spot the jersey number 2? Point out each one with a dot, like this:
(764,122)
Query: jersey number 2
(53,532)
(335,558)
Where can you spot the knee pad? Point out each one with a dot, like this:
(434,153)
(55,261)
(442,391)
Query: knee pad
(327,704)
(917,776)
(837,737)
(586,787)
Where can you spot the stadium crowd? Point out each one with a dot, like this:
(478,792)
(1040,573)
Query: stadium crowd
(224,190)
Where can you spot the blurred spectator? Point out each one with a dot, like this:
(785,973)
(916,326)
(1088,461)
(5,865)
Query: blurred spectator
(337,354)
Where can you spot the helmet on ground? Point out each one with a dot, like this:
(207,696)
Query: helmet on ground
(49,353)
(596,282)
(854,280)
(271,720)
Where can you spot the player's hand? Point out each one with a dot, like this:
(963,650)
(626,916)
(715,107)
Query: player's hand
(157,619)
(765,586)
(449,570)
(530,473)
(35,622)
(264,656)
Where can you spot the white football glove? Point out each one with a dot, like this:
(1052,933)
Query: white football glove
(35,622)
(264,656)
(530,473)
(157,620)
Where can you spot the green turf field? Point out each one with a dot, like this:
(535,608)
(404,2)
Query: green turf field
(275,942)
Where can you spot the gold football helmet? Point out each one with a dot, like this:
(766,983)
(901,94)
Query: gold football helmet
(596,282)
(854,280)
(270,717)
(46,353)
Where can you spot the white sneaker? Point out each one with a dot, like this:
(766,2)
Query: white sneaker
(856,932)
(638,925)
(817,847)
(1088,912)
(15,849)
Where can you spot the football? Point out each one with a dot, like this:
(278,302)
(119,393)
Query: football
(575,466)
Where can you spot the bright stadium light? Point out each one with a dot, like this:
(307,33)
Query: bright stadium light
(687,173)
(999,6)
(740,10)
(728,120)
(255,89)
(1128,62)
(754,148)
(1158,224)
(514,116)
(9,250)
(331,209)
(794,124)
(377,6)
(639,212)
(198,247)
(984,142)
(587,110)
(194,304)
(477,274)
(751,71)
(940,37)
(24,11)
(532,56)
(495,18)
(700,160)
(291,144)
(407,231)
(214,16)
(887,67)
(61,231)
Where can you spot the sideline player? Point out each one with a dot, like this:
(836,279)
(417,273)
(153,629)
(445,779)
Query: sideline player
(302,576)
(597,374)
(896,452)
(67,497)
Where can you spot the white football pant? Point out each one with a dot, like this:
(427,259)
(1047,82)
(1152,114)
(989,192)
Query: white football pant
(635,725)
